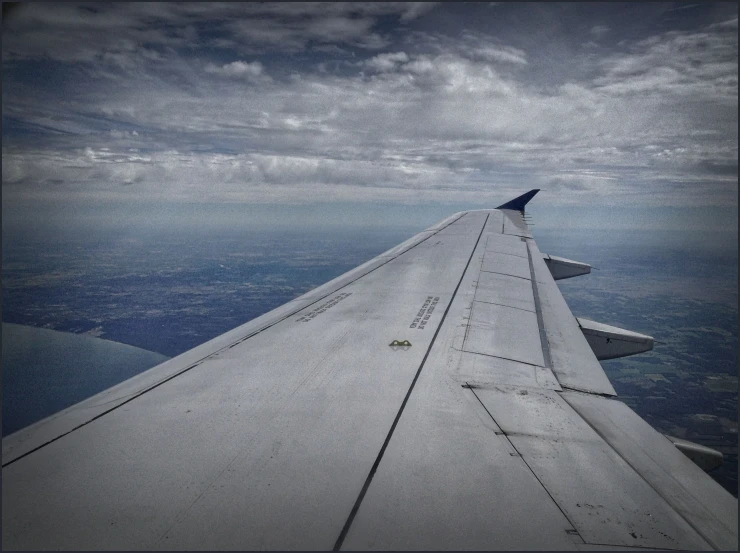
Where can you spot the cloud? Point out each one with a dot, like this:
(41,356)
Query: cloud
(237,70)
(416,9)
(93,173)
(470,44)
(501,54)
(729,24)
(461,116)
(698,64)
(386,62)
(454,74)
(599,31)
(74,33)
(294,34)
(116,134)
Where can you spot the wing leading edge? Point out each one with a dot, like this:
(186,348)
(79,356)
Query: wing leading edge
(306,428)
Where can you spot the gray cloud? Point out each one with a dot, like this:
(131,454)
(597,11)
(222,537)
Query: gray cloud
(698,64)
(89,33)
(386,62)
(240,70)
(453,115)
(503,54)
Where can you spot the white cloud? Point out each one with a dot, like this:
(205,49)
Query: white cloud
(699,64)
(70,32)
(386,62)
(416,9)
(455,74)
(502,54)
(725,25)
(457,120)
(599,31)
(237,70)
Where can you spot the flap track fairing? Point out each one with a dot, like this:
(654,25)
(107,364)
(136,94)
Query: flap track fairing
(610,342)
(561,267)
(704,457)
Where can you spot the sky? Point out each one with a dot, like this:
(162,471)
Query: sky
(625,114)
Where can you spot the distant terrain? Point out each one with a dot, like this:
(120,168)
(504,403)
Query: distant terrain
(168,292)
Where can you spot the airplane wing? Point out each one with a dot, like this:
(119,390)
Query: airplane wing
(439,396)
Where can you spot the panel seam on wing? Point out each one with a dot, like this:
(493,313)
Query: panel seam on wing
(507,253)
(506,437)
(505,274)
(356,507)
(631,466)
(544,342)
(504,305)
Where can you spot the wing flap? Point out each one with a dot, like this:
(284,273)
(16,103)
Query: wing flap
(483,370)
(505,244)
(504,264)
(505,332)
(562,268)
(701,501)
(573,361)
(603,497)
(505,290)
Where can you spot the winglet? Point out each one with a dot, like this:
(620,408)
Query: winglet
(519,203)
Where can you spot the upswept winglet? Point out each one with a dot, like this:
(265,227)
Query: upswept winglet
(519,203)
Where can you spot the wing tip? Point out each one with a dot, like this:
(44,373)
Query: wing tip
(519,202)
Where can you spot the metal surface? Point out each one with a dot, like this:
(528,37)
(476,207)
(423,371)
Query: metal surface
(505,264)
(698,499)
(295,418)
(306,429)
(505,290)
(607,502)
(561,267)
(515,225)
(36,435)
(482,370)
(706,458)
(502,243)
(449,479)
(505,332)
(610,342)
(572,360)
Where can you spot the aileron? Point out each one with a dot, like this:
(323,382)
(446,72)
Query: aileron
(573,361)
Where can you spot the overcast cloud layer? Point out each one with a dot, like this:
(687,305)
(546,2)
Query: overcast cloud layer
(617,104)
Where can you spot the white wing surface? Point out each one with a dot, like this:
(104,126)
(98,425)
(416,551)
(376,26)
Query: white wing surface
(440,396)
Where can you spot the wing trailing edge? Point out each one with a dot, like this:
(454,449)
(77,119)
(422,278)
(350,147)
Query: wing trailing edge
(518,204)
